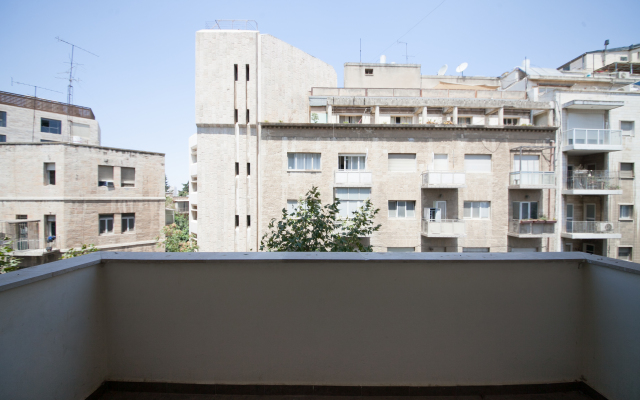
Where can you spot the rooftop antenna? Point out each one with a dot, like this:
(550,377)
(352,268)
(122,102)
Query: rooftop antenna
(360,50)
(35,95)
(71,79)
(443,69)
(406,53)
(462,67)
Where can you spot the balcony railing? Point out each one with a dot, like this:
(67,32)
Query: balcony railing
(593,180)
(352,177)
(598,137)
(443,228)
(532,178)
(443,179)
(531,228)
(591,227)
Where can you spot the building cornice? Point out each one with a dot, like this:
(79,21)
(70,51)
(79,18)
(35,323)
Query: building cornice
(413,127)
(78,145)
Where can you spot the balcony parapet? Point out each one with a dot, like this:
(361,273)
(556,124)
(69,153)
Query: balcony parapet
(591,230)
(591,141)
(193,169)
(585,182)
(443,179)
(352,178)
(531,228)
(445,228)
(532,180)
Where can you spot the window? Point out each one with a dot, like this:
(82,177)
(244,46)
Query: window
(127,177)
(475,249)
(626,170)
(247,116)
(292,207)
(128,223)
(51,227)
(477,162)
(525,210)
(248,169)
(440,162)
(237,169)
(627,127)
(237,221)
(402,163)
(49,173)
(351,199)
(235,116)
(106,224)
(82,130)
(351,119)
(624,253)
(523,250)
(589,248)
(194,187)
(464,120)
(624,58)
(368,71)
(247,68)
(3,138)
(401,120)
(351,162)
(511,121)
(105,175)
(3,119)
(626,211)
(248,221)
(21,216)
(402,209)
(303,161)
(477,209)
(401,249)
(235,72)
(50,125)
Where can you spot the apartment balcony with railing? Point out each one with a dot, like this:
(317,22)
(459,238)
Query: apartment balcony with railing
(521,326)
(532,180)
(591,230)
(352,177)
(443,179)
(587,182)
(443,228)
(589,141)
(531,228)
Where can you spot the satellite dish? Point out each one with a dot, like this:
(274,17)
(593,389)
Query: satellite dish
(462,67)
(443,69)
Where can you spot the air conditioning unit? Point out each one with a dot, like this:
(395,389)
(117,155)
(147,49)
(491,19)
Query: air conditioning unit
(605,227)
(622,75)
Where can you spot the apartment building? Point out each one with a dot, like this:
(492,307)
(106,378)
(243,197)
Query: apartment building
(57,193)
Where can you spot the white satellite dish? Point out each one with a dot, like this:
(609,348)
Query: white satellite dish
(443,69)
(462,67)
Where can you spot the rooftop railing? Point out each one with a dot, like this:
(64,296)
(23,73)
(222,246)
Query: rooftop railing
(426,93)
(598,137)
(29,102)
(593,180)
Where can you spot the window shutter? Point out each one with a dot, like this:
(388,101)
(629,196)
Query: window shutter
(105,173)
(477,162)
(128,175)
(440,162)
(402,162)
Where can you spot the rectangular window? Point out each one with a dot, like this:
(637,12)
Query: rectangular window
(440,162)
(627,127)
(128,223)
(248,169)
(3,138)
(194,187)
(511,121)
(21,216)
(237,221)
(350,119)
(351,199)
(247,116)
(50,227)
(475,249)
(50,126)
(624,253)
(235,116)
(624,58)
(105,175)
(401,249)
(303,161)
(3,119)
(82,130)
(49,173)
(626,211)
(524,210)
(401,120)
(352,162)
(247,68)
(106,224)
(248,221)
(127,177)
(464,120)
(477,162)
(402,209)
(589,248)
(626,170)
(477,209)
(402,163)
(237,169)
(368,71)
(235,72)
(292,207)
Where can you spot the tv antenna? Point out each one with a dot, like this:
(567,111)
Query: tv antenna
(443,69)
(406,53)
(71,78)
(462,67)
(35,97)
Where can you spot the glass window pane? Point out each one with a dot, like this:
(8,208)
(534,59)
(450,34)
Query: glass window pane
(525,210)
(475,210)
(411,206)
(316,161)
(102,225)
(402,209)
(292,161)
(467,209)
(393,209)
(110,225)
(484,209)
(515,212)
(342,193)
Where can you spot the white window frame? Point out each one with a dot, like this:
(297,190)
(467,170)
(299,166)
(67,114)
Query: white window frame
(465,118)
(395,206)
(511,119)
(629,257)
(352,119)
(106,219)
(107,182)
(587,245)
(519,208)
(627,173)
(408,157)
(477,205)
(300,160)
(348,206)
(630,132)
(128,217)
(127,184)
(630,217)
(404,119)
(348,160)
(49,169)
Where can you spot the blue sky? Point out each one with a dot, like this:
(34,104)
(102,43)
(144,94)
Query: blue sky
(141,87)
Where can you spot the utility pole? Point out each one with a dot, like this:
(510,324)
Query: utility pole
(35,100)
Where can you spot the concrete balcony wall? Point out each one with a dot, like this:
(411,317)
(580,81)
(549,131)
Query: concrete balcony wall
(321,319)
(193,169)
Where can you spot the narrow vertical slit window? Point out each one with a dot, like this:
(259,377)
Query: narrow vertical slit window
(49,173)
(237,221)
(247,116)
(237,169)
(247,72)
(235,116)
(248,221)
(248,169)
(235,72)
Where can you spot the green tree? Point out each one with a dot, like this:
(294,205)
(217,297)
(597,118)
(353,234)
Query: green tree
(8,262)
(85,249)
(166,183)
(314,227)
(185,190)
(175,237)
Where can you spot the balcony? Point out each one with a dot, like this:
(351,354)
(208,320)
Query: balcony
(443,179)
(277,323)
(521,228)
(193,226)
(193,198)
(445,228)
(352,178)
(591,230)
(584,182)
(591,141)
(532,180)
(193,169)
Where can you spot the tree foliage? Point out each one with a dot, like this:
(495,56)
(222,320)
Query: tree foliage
(166,183)
(84,249)
(175,237)
(314,227)
(8,262)
(185,190)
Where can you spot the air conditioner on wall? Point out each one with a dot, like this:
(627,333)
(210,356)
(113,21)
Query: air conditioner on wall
(622,75)
(605,227)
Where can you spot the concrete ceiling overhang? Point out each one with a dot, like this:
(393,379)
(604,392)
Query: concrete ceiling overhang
(593,104)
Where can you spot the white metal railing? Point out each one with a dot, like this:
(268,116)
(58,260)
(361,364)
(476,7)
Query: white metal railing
(354,177)
(25,244)
(547,178)
(601,137)
(443,178)
(593,180)
(444,227)
(531,227)
(591,227)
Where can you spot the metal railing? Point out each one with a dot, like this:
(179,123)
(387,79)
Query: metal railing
(600,137)
(593,180)
(533,178)
(532,227)
(443,178)
(352,177)
(444,227)
(18,100)
(596,227)
(239,24)
(426,93)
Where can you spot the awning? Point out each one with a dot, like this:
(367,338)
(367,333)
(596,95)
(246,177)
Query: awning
(593,104)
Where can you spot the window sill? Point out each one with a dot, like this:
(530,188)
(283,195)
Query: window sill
(106,234)
(401,218)
(626,219)
(304,170)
